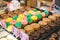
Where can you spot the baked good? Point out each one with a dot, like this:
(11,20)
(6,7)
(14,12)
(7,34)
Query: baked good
(52,25)
(42,30)
(35,26)
(42,23)
(29,29)
(46,20)
(56,15)
(47,28)
(52,17)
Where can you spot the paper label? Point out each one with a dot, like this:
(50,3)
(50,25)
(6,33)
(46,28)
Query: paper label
(15,31)
(3,24)
(23,36)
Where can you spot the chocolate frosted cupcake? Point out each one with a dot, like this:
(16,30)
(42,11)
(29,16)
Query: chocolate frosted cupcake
(35,26)
(29,29)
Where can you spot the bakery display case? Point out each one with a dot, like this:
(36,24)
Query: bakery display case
(29,22)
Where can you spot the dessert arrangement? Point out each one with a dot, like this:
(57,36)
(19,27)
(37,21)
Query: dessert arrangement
(34,23)
(54,36)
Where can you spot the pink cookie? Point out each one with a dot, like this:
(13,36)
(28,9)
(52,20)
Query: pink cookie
(15,31)
(24,22)
(43,14)
(25,13)
(34,13)
(25,18)
(13,22)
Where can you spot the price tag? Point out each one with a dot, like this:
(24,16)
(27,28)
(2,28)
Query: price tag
(23,36)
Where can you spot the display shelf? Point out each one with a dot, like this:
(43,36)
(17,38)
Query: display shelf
(50,32)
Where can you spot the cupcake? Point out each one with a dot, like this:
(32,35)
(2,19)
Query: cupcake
(13,22)
(7,24)
(46,12)
(29,20)
(38,12)
(33,13)
(24,22)
(39,16)
(34,18)
(9,28)
(25,13)
(29,29)
(46,20)
(43,14)
(52,17)
(35,26)
(9,19)
(14,17)
(18,25)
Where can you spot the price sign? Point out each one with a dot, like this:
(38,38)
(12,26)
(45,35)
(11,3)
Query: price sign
(23,36)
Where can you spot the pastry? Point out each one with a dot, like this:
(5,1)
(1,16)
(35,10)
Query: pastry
(29,29)
(56,15)
(35,26)
(41,23)
(42,30)
(46,20)
(52,25)
(47,28)
(52,17)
